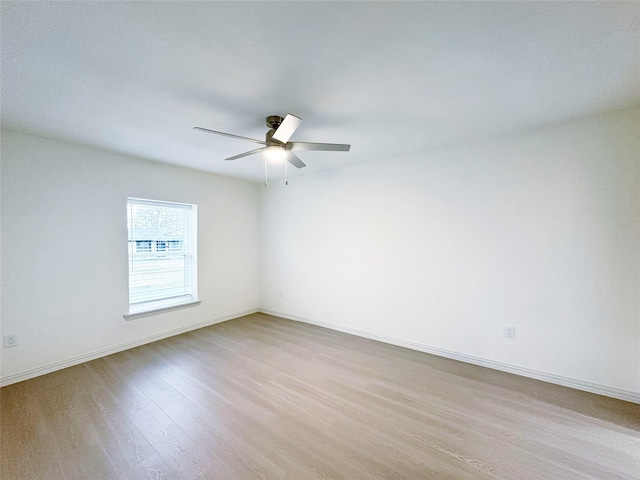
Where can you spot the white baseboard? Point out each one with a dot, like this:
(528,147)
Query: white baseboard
(627,395)
(103,352)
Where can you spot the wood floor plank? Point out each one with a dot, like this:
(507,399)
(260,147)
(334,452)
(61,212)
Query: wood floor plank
(118,436)
(141,372)
(267,398)
(151,468)
(123,390)
(77,443)
(184,451)
(27,447)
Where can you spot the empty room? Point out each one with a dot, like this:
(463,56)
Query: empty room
(320,240)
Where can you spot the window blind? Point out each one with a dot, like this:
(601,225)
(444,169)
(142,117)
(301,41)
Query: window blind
(162,254)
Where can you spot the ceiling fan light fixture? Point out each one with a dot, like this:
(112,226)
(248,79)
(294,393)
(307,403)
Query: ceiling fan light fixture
(275,153)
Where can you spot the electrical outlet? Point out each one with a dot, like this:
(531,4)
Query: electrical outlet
(10,340)
(509,331)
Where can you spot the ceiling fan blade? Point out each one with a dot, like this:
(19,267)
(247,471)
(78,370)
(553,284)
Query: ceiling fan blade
(295,161)
(230,135)
(331,147)
(246,154)
(287,127)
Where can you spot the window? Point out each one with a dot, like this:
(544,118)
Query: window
(162,255)
(142,246)
(174,245)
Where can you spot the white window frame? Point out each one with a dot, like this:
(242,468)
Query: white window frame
(189,240)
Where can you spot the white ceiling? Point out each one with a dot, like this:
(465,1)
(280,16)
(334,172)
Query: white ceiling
(390,78)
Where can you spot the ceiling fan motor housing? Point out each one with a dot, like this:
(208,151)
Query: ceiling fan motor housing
(273,122)
(270,142)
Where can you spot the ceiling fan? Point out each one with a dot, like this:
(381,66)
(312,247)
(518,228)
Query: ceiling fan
(277,145)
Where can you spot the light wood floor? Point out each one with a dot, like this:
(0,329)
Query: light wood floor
(262,397)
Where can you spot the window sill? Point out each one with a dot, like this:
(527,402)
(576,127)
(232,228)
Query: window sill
(158,309)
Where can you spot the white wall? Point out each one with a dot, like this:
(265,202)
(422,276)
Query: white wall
(436,251)
(440,249)
(64,253)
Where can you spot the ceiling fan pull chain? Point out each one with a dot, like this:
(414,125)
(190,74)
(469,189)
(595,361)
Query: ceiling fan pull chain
(286,171)
(266,180)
